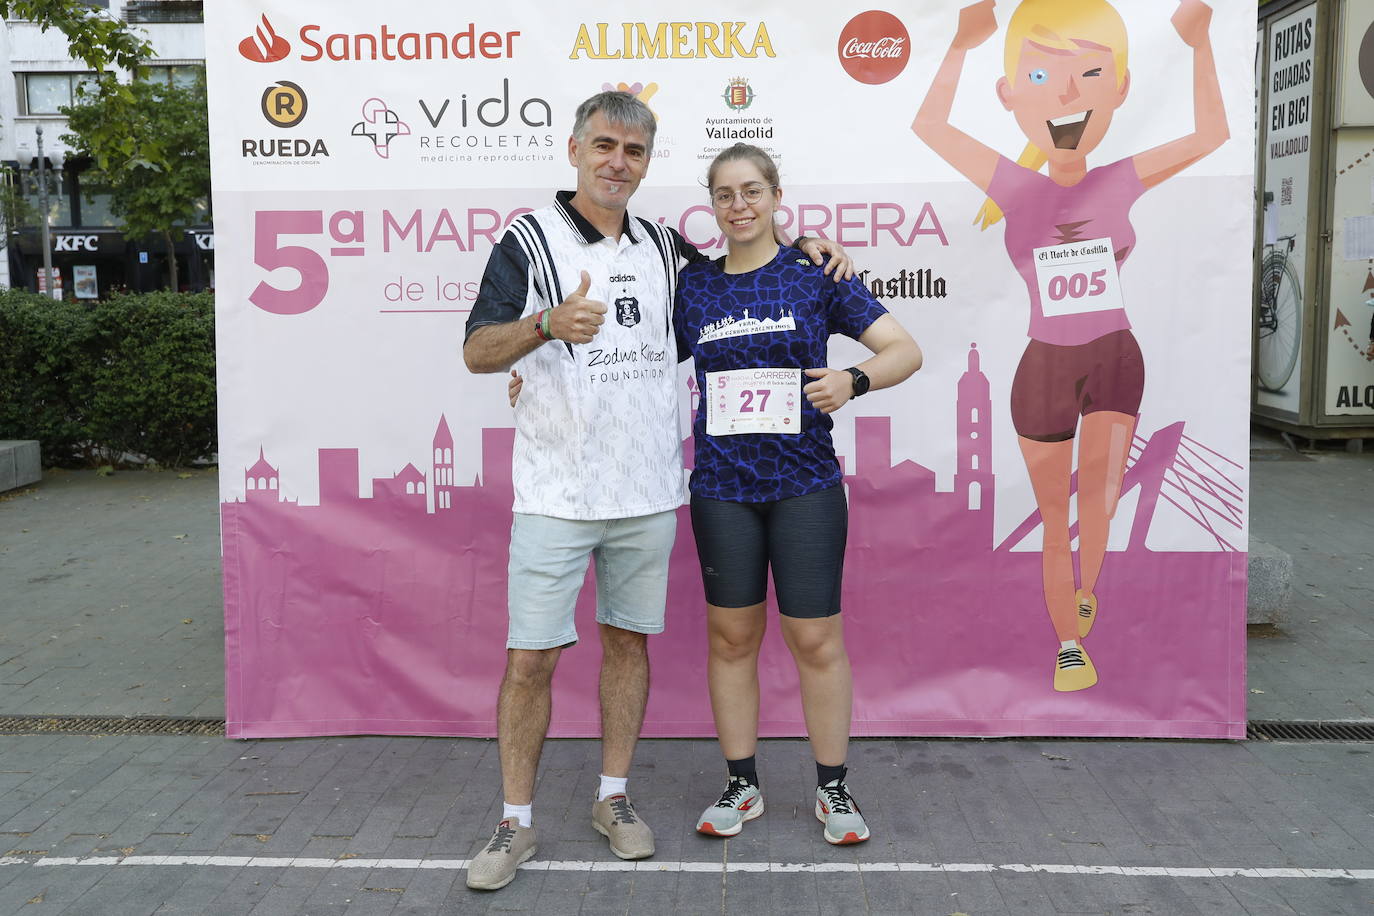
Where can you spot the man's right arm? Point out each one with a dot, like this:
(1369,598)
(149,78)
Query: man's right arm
(496,334)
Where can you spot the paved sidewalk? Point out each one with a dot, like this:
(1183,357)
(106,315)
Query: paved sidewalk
(111,596)
(99,576)
(986,810)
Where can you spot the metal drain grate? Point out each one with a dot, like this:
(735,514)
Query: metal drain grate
(165,725)
(109,725)
(1310,731)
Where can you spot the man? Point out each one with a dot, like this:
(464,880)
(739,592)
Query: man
(597,469)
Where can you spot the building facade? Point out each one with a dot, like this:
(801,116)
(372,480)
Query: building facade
(90,255)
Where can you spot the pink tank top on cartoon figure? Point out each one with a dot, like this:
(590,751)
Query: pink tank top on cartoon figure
(1068,244)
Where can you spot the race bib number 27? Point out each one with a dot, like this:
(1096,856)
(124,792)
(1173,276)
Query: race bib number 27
(753,401)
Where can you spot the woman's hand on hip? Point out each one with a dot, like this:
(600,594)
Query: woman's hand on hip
(831,390)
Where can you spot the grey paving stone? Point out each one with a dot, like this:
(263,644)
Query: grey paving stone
(700,894)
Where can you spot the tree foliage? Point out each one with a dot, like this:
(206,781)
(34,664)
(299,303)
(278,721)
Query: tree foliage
(153,156)
(95,37)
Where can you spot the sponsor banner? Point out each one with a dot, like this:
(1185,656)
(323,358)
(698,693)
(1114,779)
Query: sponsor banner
(366,162)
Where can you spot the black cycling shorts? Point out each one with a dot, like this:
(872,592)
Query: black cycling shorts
(802,538)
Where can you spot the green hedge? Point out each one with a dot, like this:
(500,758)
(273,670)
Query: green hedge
(100,383)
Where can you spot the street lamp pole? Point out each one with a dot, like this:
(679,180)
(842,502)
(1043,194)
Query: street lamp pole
(43,205)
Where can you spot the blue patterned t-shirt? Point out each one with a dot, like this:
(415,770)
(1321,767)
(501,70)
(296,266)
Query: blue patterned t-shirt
(778,316)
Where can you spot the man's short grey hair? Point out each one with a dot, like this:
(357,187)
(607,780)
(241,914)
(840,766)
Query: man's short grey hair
(621,109)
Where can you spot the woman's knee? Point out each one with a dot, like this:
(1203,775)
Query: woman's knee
(816,643)
(735,642)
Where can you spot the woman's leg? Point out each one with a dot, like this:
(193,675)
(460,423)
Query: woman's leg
(827,689)
(732,675)
(806,542)
(1104,444)
(733,549)
(1050,465)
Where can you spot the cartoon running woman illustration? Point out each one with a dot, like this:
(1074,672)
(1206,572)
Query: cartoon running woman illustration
(1067,233)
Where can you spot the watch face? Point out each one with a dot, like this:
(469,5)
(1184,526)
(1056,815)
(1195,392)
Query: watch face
(860,381)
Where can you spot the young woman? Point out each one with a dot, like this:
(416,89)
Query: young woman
(766,487)
(1068,232)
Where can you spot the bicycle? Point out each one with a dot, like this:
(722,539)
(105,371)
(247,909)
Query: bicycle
(1279,316)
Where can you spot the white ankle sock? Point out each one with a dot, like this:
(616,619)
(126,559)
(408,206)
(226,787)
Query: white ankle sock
(1068,644)
(522,813)
(611,785)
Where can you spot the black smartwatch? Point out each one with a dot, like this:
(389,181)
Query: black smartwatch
(861,382)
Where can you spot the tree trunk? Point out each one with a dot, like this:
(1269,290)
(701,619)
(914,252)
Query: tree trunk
(171,260)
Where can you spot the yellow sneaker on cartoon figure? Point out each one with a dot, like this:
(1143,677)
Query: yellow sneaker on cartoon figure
(1087,611)
(1073,670)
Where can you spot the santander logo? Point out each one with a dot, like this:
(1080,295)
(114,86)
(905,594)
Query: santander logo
(265,46)
(874,47)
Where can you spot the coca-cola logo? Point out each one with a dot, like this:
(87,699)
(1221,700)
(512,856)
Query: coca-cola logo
(883,47)
(874,47)
(264,46)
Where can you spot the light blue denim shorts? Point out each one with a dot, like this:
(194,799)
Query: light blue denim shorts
(548,564)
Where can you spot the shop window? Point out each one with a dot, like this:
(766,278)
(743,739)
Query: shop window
(45,93)
(95,207)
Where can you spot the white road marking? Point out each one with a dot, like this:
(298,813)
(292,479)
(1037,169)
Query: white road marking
(1133,871)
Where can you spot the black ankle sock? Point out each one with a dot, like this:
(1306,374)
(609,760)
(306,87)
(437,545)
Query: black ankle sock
(745,769)
(825,774)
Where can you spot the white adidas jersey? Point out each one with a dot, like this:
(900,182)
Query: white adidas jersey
(597,433)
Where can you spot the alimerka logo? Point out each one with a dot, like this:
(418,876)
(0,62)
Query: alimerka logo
(265,46)
(874,47)
(672,40)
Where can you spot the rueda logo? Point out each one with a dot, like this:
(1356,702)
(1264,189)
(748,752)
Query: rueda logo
(874,47)
(380,125)
(284,104)
(265,46)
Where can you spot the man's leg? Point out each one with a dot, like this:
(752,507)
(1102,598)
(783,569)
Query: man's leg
(548,561)
(624,694)
(522,719)
(632,588)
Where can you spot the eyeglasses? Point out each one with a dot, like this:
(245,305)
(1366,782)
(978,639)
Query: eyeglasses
(750,195)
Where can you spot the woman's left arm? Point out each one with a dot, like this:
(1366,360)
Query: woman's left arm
(1191,21)
(895,357)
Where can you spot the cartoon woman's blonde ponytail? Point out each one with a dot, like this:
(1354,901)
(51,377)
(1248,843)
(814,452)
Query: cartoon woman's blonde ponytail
(1033,158)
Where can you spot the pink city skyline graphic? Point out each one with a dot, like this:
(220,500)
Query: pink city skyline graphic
(386,614)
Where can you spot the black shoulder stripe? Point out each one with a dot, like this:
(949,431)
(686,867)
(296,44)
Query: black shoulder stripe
(536,246)
(668,255)
(524,229)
